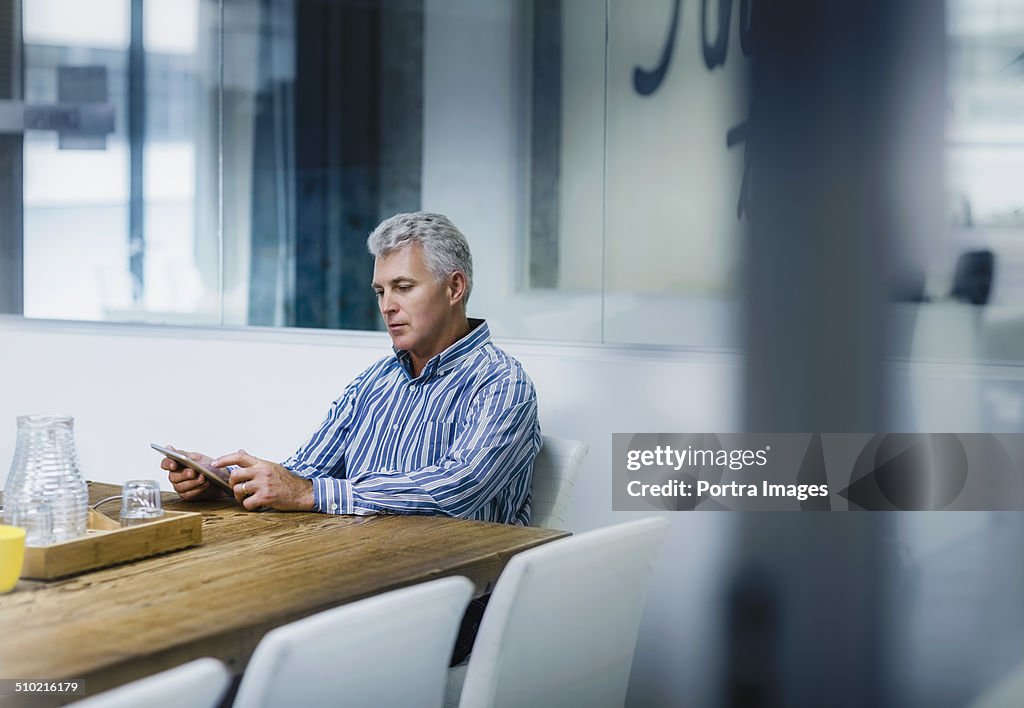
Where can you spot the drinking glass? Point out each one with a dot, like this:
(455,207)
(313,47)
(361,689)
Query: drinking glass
(35,515)
(140,502)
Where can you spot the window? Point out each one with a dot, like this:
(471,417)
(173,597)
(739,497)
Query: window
(231,156)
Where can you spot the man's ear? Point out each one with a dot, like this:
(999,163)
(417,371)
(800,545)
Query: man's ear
(457,287)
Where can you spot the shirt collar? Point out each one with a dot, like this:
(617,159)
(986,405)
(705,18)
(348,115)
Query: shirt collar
(479,334)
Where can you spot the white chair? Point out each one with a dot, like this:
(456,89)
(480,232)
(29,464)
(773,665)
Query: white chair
(197,684)
(554,474)
(388,650)
(562,623)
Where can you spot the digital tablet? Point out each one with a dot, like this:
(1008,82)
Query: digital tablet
(216,476)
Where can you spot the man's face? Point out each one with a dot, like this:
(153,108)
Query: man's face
(416,307)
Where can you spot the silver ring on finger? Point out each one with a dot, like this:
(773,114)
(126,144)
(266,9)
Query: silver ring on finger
(244,490)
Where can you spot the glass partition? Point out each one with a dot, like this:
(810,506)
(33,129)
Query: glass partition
(76,243)
(112,124)
(222,161)
(676,199)
(977,273)
(463,107)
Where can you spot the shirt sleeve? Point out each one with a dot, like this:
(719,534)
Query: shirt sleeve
(495,448)
(323,454)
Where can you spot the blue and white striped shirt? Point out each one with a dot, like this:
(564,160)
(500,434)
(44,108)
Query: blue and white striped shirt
(458,440)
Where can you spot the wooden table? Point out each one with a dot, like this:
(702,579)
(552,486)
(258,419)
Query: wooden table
(253,572)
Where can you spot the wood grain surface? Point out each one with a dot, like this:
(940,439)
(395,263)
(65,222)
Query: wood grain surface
(254,571)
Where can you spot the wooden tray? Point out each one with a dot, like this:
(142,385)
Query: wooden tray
(106,543)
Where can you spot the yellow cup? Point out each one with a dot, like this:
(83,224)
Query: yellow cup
(12,553)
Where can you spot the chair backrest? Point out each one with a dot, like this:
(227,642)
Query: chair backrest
(197,684)
(561,626)
(554,474)
(388,650)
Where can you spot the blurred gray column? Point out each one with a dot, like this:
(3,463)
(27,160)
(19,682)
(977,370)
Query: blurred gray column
(11,167)
(136,150)
(846,144)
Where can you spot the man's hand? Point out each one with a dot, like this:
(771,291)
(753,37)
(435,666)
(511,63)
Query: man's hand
(189,484)
(260,483)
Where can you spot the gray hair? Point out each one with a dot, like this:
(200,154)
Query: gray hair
(445,249)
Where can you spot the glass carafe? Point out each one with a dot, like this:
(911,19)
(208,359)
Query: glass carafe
(46,467)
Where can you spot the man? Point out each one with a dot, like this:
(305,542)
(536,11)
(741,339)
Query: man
(446,425)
